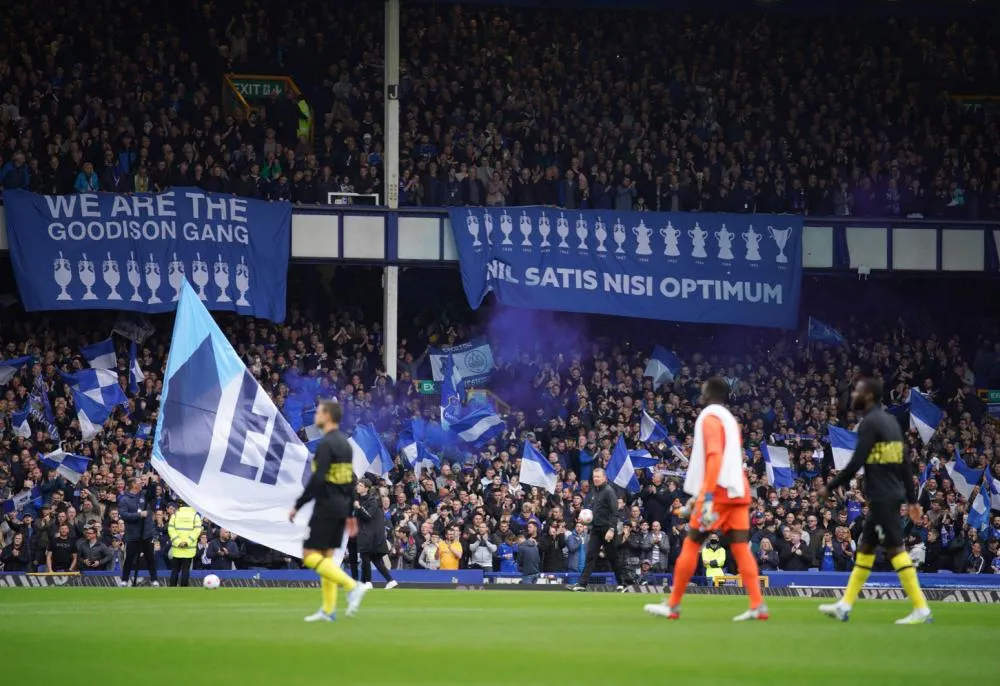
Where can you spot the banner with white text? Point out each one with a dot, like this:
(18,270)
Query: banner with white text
(710,268)
(132,252)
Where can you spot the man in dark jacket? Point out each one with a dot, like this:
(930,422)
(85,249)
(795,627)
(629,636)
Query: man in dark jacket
(605,506)
(140,527)
(372,545)
(92,554)
(551,546)
(796,557)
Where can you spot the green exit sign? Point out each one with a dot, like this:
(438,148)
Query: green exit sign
(993,396)
(426,387)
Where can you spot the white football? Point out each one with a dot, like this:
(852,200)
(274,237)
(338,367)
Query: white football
(586,516)
(211,581)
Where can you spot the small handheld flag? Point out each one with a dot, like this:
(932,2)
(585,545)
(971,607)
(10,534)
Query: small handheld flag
(925,416)
(101,355)
(662,367)
(843,443)
(650,430)
(778,466)
(962,476)
(69,466)
(536,470)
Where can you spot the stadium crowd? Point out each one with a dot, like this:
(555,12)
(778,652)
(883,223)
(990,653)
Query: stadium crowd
(658,111)
(565,398)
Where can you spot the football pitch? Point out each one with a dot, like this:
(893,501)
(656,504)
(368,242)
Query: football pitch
(257,636)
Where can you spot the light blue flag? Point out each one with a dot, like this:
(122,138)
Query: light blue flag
(650,430)
(220,443)
(620,470)
(778,466)
(925,416)
(135,375)
(452,390)
(824,333)
(10,368)
(964,477)
(20,424)
(26,498)
(69,466)
(662,367)
(100,355)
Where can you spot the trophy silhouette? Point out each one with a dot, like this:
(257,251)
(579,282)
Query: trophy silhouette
(671,236)
(752,240)
(544,230)
(506,228)
(581,232)
(243,283)
(698,236)
(642,235)
(488,225)
(618,233)
(85,268)
(780,237)
(526,230)
(601,234)
(63,275)
(134,277)
(199,275)
(153,280)
(472,224)
(175,276)
(112,276)
(725,238)
(221,270)
(562,229)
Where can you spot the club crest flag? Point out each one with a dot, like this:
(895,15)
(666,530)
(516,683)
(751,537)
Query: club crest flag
(220,442)
(693,267)
(132,252)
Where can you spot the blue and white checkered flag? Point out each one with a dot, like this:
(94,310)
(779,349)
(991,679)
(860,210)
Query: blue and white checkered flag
(101,355)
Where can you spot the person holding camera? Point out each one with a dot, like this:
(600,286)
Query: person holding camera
(482,550)
(139,527)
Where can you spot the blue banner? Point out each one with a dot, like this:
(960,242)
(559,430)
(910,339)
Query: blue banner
(709,268)
(473,360)
(132,252)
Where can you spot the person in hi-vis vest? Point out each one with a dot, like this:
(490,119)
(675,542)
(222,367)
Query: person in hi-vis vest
(184,529)
(713,556)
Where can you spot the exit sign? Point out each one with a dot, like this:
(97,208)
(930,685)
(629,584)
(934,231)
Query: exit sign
(426,387)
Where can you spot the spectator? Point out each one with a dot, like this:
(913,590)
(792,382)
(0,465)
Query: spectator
(449,551)
(767,556)
(796,556)
(482,550)
(92,553)
(975,563)
(61,556)
(15,557)
(222,552)
(713,556)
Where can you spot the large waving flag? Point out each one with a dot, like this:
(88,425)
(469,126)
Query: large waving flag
(220,443)
(69,466)
(41,408)
(135,375)
(925,416)
(676,450)
(10,368)
(662,367)
(778,466)
(415,453)
(620,469)
(964,477)
(824,333)
(370,454)
(20,424)
(91,414)
(101,355)
(536,470)
(843,443)
(100,385)
(650,430)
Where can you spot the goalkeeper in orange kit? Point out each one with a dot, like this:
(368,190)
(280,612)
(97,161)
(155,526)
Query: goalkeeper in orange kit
(722,502)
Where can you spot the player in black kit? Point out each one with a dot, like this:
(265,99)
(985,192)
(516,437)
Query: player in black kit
(888,484)
(331,487)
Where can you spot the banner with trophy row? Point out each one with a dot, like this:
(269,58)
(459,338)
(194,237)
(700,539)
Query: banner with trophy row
(712,268)
(132,252)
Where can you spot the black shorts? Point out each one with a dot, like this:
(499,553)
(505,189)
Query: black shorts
(883,526)
(326,532)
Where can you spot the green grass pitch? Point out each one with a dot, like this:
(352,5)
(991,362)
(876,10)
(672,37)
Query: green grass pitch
(255,636)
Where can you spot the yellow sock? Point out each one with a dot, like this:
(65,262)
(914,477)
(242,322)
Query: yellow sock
(859,575)
(329,590)
(908,577)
